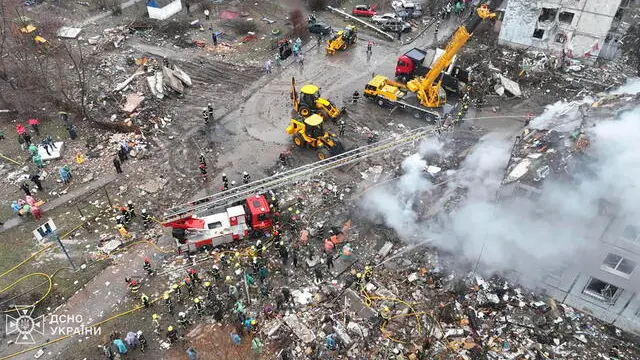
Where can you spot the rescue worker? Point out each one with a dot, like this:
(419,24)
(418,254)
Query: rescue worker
(369,47)
(368,273)
(359,280)
(193,275)
(208,289)
(283,159)
(329,261)
(145,300)
(225,180)
(131,209)
(356,96)
(147,266)
(459,119)
(155,320)
(205,115)
(202,159)
(210,111)
(198,305)
(125,214)
(145,218)
(167,302)
(133,285)
(286,293)
(187,282)
(284,254)
(26,189)
(165,61)
(176,290)
(233,184)
(182,319)
(245,178)
(203,171)
(142,340)
(341,128)
(385,316)
(117,165)
(215,272)
(172,335)
(437,29)
(318,274)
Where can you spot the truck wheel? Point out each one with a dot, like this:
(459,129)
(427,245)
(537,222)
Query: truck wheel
(323,153)
(304,111)
(381,102)
(204,248)
(297,139)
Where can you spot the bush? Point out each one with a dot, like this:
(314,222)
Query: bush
(317,5)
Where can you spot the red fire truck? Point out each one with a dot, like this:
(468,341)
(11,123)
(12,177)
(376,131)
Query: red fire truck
(250,218)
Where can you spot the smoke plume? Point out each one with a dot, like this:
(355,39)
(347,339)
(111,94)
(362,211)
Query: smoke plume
(532,235)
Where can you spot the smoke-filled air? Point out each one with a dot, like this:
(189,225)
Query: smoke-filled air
(531,235)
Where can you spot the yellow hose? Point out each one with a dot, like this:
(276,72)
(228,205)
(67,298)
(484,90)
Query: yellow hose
(26,277)
(27,259)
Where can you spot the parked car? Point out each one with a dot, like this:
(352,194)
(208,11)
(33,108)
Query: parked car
(364,10)
(395,25)
(407,10)
(379,19)
(319,28)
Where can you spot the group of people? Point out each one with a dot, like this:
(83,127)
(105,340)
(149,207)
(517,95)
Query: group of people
(27,206)
(117,346)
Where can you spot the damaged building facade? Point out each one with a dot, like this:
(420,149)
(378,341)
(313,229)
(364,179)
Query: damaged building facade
(576,28)
(604,283)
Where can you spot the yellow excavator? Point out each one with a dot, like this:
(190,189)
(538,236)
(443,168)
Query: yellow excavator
(309,102)
(310,133)
(342,40)
(428,89)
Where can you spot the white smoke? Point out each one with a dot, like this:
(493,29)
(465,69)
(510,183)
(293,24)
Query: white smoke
(531,235)
(632,87)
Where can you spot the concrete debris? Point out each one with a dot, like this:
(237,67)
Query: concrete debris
(152,186)
(171,81)
(69,32)
(132,102)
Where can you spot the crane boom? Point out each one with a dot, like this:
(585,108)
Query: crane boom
(427,89)
(228,197)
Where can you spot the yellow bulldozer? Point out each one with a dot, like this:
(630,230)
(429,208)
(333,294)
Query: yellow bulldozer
(342,39)
(310,133)
(309,102)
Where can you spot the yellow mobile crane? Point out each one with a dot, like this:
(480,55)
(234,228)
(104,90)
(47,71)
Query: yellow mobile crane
(428,89)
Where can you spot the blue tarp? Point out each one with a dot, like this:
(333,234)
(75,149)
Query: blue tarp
(152,3)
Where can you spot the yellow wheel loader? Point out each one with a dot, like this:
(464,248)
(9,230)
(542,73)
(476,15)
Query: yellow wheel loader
(310,133)
(342,40)
(309,102)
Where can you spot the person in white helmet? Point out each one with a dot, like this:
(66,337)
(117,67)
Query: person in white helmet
(205,115)
(131,209)
(210,111)
(245,177)
(225,182)
(145,218)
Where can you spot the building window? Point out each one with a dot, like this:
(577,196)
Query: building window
(618,265)
(566,17)
(631,232)
(561,38)
(538,33)
(548,15)
(601,290)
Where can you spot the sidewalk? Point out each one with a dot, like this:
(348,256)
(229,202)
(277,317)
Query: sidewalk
(54,203)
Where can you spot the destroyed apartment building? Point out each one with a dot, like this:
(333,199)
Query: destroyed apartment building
(577,29)
(604,283)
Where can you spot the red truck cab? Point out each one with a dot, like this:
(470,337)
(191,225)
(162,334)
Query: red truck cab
(259,214)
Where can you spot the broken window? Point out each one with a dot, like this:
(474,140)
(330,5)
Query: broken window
(601,290)
(616,263)
(538,33)
(631,232)
(566,17)
(548,15)
(561,38)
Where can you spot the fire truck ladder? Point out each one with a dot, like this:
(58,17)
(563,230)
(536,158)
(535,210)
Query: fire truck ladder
(234,195)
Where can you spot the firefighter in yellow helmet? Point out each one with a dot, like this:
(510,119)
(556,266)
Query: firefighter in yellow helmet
(172,335)
(198,305)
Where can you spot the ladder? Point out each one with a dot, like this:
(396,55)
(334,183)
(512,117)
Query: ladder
(239,193)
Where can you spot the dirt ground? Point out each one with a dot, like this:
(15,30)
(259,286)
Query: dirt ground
(251,111)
